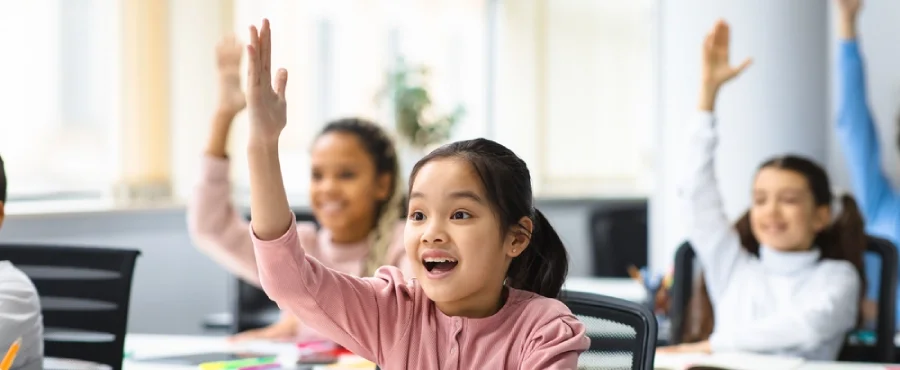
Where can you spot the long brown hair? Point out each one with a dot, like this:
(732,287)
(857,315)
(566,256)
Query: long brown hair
(844,239)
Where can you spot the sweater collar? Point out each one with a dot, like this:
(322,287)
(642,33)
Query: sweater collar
(788,263)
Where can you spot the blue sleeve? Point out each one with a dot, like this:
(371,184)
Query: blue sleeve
(859,140)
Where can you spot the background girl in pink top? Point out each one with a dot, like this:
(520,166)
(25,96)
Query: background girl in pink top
(487,264)
(353,193)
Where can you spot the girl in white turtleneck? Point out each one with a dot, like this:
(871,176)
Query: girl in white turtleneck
(787,277)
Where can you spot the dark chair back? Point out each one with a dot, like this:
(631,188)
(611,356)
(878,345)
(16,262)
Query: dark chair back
(682,288)
(251,307)
(881,351)
(619,237)
(84,293)
(885,326)
(622,333)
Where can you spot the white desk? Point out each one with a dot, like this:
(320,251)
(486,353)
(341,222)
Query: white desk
(139,346)
(753,361)
(148,345)
(624,288)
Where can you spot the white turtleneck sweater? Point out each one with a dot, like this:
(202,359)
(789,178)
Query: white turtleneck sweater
(787,303)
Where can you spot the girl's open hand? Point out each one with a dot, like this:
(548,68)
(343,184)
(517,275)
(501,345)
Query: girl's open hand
(265,100)
(228,61)
(717,69)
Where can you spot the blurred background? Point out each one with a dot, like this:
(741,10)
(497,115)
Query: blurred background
(107,106)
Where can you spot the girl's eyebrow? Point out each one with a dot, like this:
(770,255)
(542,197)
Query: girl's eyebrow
(463,194)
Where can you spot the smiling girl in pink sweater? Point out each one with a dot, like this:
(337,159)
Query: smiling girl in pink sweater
(487,264)
(354,194)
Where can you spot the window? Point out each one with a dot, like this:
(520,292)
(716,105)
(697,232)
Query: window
(567,84)
(575,92)
(338,54)
(60,98)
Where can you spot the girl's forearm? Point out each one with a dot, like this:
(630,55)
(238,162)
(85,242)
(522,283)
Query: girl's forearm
(269,209)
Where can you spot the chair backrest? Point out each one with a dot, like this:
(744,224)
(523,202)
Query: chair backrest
(84,293)
(251,307)
(622,333)
(682,289)
(881,351)
(618,237)
(885,322)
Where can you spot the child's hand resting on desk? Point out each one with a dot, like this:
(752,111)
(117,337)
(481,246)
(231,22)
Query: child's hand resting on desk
(699,347)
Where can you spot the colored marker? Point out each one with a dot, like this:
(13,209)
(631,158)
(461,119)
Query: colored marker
(10,355)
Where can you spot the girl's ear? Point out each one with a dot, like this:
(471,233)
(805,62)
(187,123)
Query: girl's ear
(821,218)
(383,186)
(519,237)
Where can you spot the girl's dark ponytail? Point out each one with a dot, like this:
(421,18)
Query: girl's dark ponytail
(846,238)
(543,266)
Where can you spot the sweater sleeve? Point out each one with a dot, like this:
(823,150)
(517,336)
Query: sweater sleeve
(714,240)
(20,315)
(804,326)
(368,316)
(557,345)
(859,139)
(215,226)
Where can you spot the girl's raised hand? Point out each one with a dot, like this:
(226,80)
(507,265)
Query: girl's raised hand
(228,61)
(717,68)
(265,99)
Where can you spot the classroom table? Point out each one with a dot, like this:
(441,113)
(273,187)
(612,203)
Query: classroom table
(623,288)
(138,346)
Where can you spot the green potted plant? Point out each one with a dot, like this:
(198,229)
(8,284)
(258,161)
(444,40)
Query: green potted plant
(413,114)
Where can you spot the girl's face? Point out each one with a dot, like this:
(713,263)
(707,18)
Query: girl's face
(453,238)
(344,187)
(784,215)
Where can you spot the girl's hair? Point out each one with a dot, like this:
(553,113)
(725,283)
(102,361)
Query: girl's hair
(844,239)
(2,181)
(542,267)
(387,213)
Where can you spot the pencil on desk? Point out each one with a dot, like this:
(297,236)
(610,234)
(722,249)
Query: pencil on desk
(10,355)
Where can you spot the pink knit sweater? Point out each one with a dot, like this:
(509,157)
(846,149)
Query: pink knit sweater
(389,320)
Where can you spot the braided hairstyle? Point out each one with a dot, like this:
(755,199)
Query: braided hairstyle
(384,156)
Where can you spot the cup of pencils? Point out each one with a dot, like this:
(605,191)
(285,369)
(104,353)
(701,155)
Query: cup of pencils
(657,286)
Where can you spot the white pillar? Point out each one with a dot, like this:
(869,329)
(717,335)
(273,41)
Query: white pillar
(779,105)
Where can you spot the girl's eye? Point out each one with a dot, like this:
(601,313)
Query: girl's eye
(461,215)
(417,216)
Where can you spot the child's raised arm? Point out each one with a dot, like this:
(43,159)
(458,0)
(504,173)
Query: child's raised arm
(269,207)
(709,231)
(365,315)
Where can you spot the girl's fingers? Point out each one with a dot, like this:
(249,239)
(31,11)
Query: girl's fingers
(265,52)
(253,58)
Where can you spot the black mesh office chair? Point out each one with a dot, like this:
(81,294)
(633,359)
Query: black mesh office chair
(618,237)
(85,294)
(622,333)
(881,351)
